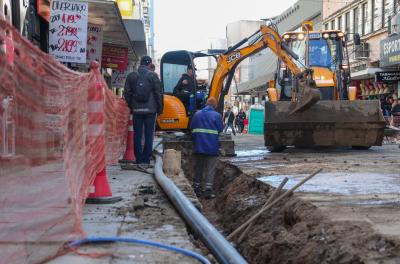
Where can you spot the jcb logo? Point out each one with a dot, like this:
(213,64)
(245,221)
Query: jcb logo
(233,57)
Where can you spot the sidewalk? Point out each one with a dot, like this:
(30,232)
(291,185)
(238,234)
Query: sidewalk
(144,213)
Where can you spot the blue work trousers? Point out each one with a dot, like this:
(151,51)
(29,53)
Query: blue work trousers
(146,123)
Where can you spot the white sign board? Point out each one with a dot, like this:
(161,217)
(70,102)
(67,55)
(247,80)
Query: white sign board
(118,78)
(68,30)
(94,43)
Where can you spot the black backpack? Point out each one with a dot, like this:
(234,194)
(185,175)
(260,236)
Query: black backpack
(143,88)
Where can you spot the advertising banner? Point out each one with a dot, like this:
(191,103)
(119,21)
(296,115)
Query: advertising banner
(126,8)
(115,57)
(390,51)
(118,78)
(94,43)
(392,76)
(68,30)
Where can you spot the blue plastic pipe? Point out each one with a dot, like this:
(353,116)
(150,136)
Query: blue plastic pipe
(94,240)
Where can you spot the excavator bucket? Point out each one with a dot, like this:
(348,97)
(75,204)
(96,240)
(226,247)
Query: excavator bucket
(326,123)
(309,96)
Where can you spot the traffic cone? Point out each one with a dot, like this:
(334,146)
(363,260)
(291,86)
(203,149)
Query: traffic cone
(100,192)
(129,156)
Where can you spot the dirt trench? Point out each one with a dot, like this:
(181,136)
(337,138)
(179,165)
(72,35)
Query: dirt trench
(294,231)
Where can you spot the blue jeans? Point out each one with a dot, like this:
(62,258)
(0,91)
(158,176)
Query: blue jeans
(146,122)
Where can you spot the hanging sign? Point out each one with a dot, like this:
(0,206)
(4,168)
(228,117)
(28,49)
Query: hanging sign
(68,30)
(115,58)
(392,76)
(118,78)
(94,43)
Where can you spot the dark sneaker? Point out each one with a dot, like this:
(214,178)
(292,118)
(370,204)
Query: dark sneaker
(209,194)
(197,191)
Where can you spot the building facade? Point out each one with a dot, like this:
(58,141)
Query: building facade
(373,20)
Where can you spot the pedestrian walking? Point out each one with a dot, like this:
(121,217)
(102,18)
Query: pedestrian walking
(144,96)
(241,116)
(229,117)
(205,126)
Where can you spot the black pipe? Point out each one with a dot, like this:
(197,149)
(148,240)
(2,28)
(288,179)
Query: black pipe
(222,250)
(289,50)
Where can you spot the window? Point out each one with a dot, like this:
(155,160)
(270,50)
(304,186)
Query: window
(377,6)
(333,24)
(339,24)
(347,22)
(386,13)
(365,19)
(326,26)
(356,20)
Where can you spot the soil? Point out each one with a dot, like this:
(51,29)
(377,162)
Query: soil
(294,231)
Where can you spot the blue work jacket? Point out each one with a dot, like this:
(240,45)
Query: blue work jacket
(205,126)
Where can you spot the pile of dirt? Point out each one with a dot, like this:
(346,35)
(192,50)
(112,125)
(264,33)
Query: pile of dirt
(294,231)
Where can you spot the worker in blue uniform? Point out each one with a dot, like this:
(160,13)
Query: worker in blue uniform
(205,126)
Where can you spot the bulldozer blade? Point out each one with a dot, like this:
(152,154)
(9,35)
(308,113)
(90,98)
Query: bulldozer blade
(326,123)
(309,96)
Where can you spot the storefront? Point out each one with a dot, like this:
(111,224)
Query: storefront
(390,62)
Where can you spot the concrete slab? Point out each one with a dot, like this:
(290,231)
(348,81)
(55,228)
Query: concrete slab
(156,221)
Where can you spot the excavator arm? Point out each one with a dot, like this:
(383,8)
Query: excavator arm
(267,38)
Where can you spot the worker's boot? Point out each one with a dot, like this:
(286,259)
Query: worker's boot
(197,189)
(209,194)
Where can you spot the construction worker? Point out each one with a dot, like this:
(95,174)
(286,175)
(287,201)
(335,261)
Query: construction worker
(205,126)
(185,88)
(144,96)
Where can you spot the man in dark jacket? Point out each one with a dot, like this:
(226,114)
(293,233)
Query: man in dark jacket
(205,126)
(240,117)
(185,88)
(229,117)
(144,97)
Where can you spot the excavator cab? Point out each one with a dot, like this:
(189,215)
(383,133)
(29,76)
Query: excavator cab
(334,120)
(179,107)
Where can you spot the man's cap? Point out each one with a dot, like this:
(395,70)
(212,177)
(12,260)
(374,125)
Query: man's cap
(190,67)
(145,60)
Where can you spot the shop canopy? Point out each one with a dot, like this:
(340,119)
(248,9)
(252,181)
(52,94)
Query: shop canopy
(365,74)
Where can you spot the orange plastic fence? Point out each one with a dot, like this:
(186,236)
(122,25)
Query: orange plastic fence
(50,149)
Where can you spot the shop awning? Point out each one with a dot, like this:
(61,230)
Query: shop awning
(365,74)
(137,36)
(106,14)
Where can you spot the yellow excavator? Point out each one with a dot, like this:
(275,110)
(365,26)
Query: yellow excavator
(338,119)
(287,120)
(175,63)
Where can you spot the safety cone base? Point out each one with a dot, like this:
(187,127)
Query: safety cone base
(103,200)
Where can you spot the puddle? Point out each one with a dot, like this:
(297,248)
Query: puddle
(341,183)
(253,152)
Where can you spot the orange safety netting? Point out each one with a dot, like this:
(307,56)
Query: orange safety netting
(51,147)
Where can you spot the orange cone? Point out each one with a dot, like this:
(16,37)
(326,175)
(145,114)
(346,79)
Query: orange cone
(100,187)
(100,192)
(129,156)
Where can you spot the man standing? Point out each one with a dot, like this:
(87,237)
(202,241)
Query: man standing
(144,97)
(205,126)
(241,116)
(229,117)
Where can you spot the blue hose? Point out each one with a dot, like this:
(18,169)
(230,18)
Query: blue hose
(93,240)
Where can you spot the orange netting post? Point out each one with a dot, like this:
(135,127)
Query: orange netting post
(129,156)
(100,191)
